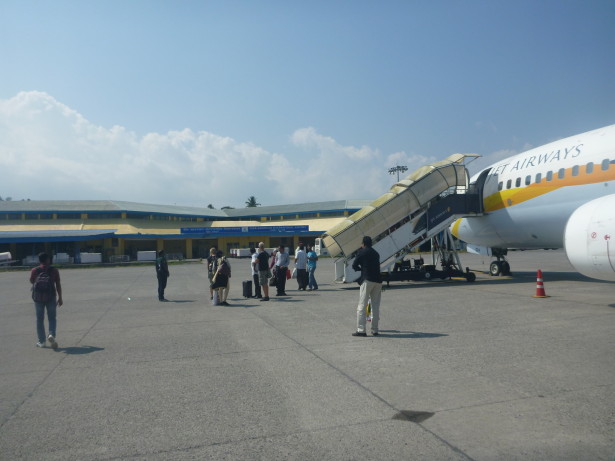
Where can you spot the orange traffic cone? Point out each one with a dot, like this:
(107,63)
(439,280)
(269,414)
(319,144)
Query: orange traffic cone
(540,287)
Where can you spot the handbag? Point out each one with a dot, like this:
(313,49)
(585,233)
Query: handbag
(294,274)
(273,282)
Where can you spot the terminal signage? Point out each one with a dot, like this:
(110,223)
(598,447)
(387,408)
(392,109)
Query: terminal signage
(260,230)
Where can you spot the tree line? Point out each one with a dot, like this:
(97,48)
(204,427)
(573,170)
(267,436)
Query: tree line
(250,203)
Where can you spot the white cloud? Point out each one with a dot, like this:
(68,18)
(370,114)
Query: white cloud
(50,151)
(308,138)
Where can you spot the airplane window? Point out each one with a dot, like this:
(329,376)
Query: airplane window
(538,178)
(589,169)
(500,185)
(508,184)
(575,170)
(528,180)
(518,182)
(561,173)
(605,164)
(549,176)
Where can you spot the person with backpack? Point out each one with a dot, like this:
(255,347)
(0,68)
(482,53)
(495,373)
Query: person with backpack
(367,262)
(221,278)
(45,280)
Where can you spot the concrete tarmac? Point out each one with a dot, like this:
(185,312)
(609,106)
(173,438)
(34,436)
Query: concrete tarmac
(480,371)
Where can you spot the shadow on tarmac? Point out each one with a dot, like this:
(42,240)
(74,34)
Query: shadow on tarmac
(79,350)
(413,416)
(408,334)
(274,299)
(517,277)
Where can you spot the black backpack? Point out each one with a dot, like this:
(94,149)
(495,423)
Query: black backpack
(43,288)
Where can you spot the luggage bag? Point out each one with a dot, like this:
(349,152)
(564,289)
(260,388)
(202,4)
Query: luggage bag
(247,288)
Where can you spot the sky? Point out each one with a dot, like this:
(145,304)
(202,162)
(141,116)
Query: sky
(211,102)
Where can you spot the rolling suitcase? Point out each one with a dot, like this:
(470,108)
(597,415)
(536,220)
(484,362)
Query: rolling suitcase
(247,288)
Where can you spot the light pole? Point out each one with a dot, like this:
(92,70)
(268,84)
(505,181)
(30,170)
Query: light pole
(398,169)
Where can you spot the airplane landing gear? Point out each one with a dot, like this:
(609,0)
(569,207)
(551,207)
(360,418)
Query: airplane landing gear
(501,266)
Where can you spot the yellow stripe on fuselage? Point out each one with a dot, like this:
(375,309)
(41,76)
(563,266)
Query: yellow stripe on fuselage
(511,197)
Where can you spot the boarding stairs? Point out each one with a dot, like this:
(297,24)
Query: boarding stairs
(419,208)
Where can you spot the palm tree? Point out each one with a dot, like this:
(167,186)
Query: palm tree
(251,202)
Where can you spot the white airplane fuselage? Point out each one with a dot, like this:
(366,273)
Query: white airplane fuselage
(529,198)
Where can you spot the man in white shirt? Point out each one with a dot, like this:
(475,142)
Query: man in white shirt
(282,260)
(301,266)
(254,266)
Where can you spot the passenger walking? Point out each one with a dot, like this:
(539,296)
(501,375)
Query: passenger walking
(282,261)
(368,263)
(162,273)
(222,278)
(45,280)
(264,273)
(312,257)
(254,268)
(212,265)
(301,267)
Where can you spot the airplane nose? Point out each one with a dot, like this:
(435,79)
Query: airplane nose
(456,228)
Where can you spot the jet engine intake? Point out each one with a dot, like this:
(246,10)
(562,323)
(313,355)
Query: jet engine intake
(589,238)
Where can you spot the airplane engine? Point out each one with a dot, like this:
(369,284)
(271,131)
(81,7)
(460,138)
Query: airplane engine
(589,238)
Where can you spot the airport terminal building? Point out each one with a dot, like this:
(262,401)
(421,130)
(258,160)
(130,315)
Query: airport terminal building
(110,231)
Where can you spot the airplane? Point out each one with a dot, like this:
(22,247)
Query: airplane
(560,195)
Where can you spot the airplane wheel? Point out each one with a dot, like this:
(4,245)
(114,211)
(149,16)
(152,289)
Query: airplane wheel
(470,276)
(495,268)
(505,267)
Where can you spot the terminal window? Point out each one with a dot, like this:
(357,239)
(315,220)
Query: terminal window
(69,215)
(104,215)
